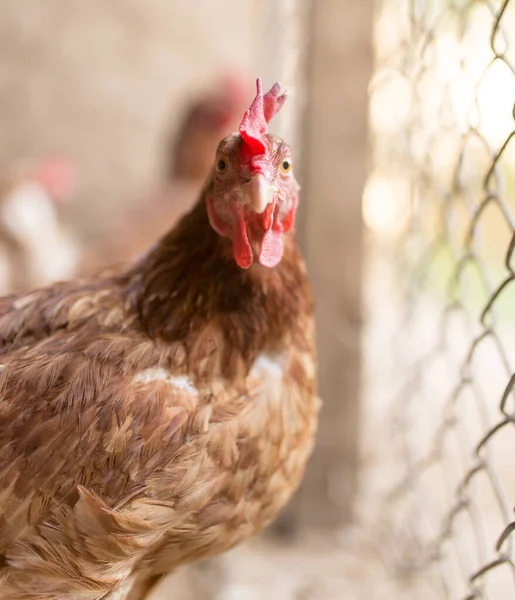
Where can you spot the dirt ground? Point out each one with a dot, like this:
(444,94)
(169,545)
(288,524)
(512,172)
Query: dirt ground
(316,567)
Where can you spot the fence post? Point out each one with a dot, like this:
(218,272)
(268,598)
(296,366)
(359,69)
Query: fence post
(335,159)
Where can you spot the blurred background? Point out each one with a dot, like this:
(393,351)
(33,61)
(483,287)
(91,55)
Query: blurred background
(400,116)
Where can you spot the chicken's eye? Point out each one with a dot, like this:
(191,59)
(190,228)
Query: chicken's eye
(221,165)
(286,166)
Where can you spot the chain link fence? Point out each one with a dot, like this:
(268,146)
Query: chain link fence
(441,198)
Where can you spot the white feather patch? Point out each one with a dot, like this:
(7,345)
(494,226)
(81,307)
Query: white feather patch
(268,366)
(180,382)
(267,372)
(122,591)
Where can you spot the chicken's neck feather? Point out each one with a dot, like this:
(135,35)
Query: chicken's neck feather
(190,280)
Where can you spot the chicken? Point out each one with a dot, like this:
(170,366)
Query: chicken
(212,116)
(35,248)
(162,413)
(188,161)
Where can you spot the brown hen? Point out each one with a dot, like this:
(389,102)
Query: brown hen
(161,414)
(210,117)
(188,162)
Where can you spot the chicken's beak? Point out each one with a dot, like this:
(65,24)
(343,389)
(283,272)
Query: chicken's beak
(261,193)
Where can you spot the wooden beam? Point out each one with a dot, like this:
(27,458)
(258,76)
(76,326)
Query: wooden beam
(335,157)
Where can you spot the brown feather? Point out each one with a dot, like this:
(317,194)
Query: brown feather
(151,417)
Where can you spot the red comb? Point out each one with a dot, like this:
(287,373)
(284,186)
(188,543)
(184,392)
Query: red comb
(234,87)
(57,175)
(256,118)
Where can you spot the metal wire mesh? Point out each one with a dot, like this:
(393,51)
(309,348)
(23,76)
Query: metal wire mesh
(442,198)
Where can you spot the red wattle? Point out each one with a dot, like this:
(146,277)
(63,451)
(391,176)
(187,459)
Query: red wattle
(272,248)
(268,215)
(240,242)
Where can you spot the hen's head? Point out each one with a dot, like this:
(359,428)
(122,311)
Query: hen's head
(215,114)
(57,176)
(254,194)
